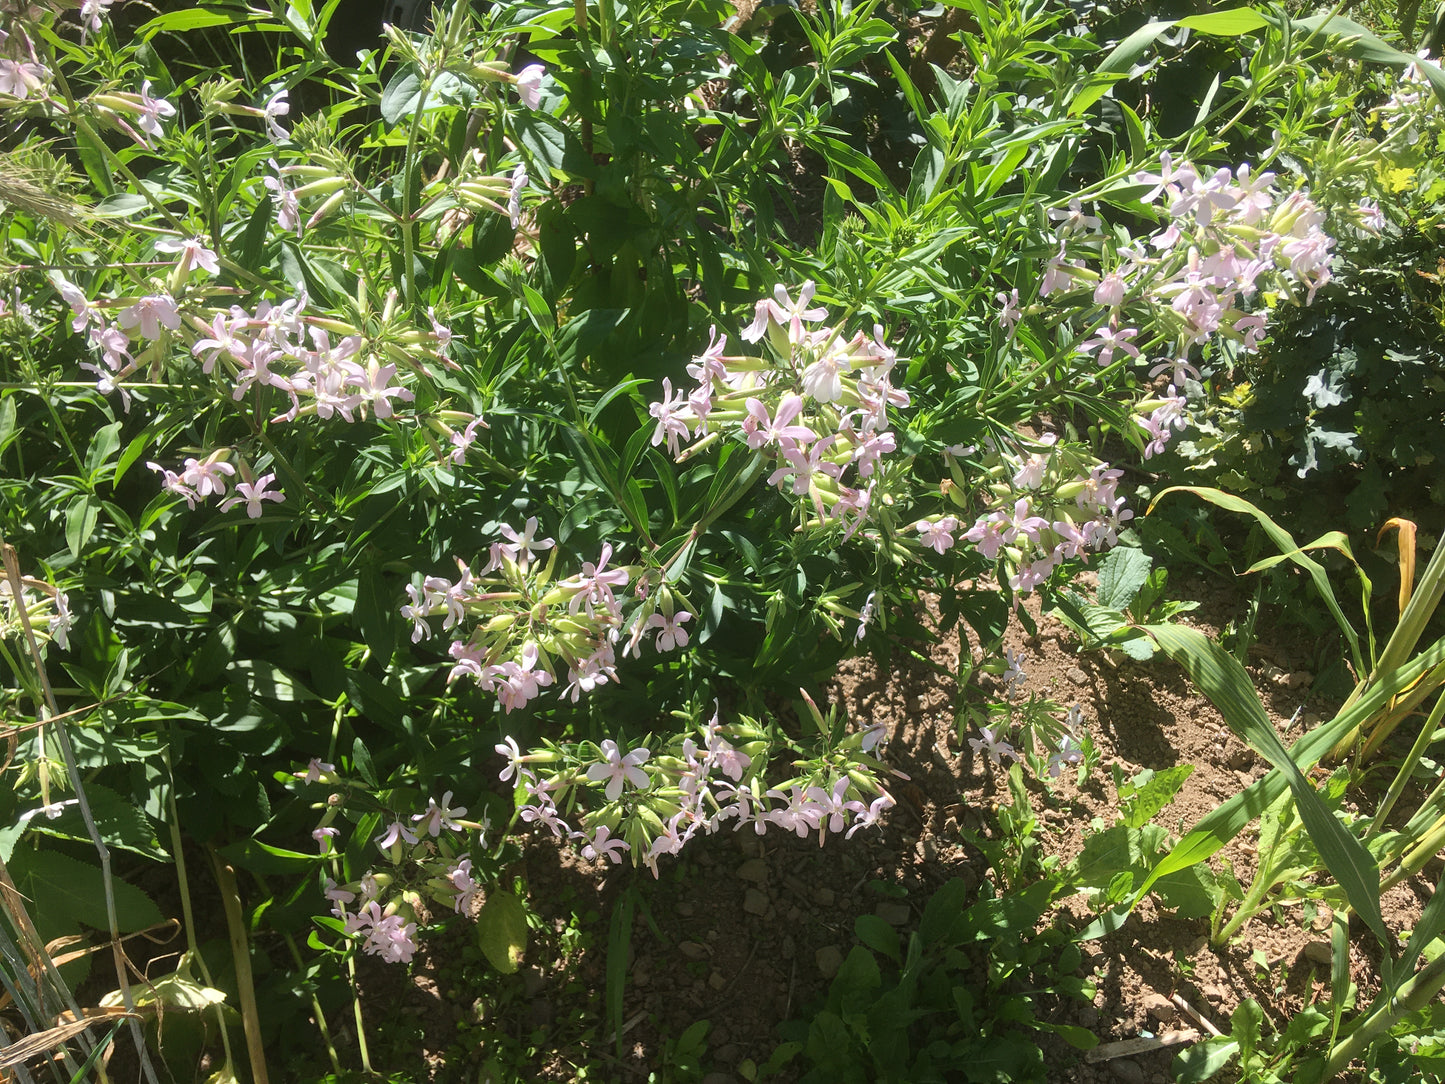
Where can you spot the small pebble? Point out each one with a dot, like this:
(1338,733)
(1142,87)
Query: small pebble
(693,951)
(1127,1070)
(755,902)
(1320,952)
(686,908)
(828,958)
(823,897)
(1160,1008)
(755,870)
(1077,676)
(894,912)
(716,981)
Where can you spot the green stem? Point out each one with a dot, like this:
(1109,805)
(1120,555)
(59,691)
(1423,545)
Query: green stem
(1407,769)
(1414,995)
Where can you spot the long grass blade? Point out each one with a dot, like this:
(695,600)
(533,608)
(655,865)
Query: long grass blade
(1221,678)
(1224,823)
(1290,548)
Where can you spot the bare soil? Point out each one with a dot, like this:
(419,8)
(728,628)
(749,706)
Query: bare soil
(745,931)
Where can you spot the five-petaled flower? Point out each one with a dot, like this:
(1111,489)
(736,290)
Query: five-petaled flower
(617,769)
(251,494)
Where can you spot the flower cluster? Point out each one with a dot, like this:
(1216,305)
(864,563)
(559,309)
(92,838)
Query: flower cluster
(200,478)
(428,859)
(818,410)
(1413,107)
(654,805)
(1065,741)
(1049,502)
(1229,237)
(528,628)
(46,610)
(22,74)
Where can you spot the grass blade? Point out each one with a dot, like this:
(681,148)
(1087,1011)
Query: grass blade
(1221,678)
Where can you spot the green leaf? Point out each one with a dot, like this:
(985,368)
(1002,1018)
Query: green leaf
(1143,800)
(262,858)
(195,595)
(103,445)
(1281,538)
(1201,1061)
(1121,574)
(119,822)
(81,516)
(553,147)
(1226,24)
(402,95)
(190,19)
(877,935)
(263,678)
(502,931)
(62,891)
(945,914)
(1221,678)
(1123,56)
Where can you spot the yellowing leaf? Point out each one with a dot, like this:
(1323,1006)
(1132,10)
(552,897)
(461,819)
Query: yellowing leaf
(502,931)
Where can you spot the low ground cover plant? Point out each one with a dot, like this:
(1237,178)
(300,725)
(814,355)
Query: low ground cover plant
(419,452)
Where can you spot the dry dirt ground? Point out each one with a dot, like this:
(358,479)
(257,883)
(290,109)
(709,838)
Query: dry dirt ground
(744,932)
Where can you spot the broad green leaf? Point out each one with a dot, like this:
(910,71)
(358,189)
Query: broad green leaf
(103,445)
(62,891)
(1203,1060)
(81,516)
(195,595)
(1123,56)
(1230,23)
(263,678)
(1144,800)
(189,19)
(1221,678)
(262,858)
(502,932)
(401,96)
(877,935)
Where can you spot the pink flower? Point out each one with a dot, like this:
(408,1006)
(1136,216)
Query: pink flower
(671,422)
(252,495)
(938,535)
(603,845)
(436,817)
(672,633)
(991,744)
(148,119)
(150,314)
(207,476)
(529,85)
(761,430)
(618,769)
(276,106)
(193,254)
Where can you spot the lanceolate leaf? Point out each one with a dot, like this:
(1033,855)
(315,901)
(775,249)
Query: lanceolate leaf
(1220,677)
(1281,538)
(1226,822)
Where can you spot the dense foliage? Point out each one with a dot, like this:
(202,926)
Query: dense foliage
(492,434)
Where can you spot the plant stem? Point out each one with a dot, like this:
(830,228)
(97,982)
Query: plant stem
(1412,996)
(241,953)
